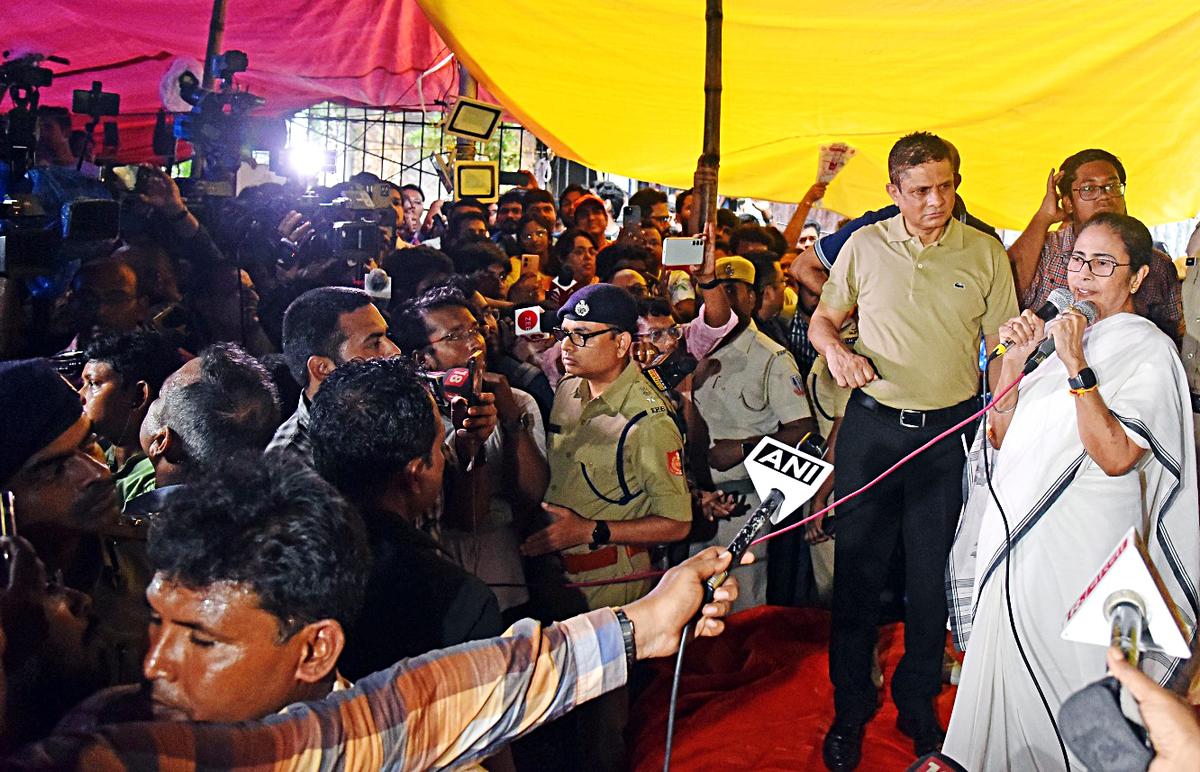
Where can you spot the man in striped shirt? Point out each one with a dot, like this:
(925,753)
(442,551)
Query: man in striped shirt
(444,709)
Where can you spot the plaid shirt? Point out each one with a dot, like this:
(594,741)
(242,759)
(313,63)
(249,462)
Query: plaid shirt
(798,344)
(1158,299)
(444,709)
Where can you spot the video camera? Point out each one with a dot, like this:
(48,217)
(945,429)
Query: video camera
(220,123)
(355,225)
(33,232)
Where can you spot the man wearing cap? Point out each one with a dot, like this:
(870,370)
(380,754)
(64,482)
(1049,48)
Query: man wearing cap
(616,457)
(747,388)
(67,506)
(590,216)
(617,485)
(927,288)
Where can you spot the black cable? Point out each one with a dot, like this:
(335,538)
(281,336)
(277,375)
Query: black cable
(1012,622)
(674,697)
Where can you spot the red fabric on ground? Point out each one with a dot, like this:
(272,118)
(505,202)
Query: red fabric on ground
(758,697)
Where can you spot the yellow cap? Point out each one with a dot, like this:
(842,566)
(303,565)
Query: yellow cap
(735,268)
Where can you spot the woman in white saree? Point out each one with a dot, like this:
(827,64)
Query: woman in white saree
(1076,467)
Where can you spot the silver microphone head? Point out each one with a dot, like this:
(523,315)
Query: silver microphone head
(1088,309)
(1061,299)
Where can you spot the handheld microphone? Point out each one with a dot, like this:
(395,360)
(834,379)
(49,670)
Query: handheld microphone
(1123,605)
(784,478)
(378,284)
(1046,347)
(1058,301)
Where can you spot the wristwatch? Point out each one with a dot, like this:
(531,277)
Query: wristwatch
(525,421)
(600,534)
(627,638)
(707,285)
(1084,382)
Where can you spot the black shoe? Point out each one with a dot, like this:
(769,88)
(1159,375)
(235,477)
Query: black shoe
(927,735)
(843,746)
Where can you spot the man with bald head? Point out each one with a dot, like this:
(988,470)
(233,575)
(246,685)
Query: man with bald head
(218,404)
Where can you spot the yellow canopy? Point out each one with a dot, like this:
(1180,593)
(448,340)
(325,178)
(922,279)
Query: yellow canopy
(1017,86)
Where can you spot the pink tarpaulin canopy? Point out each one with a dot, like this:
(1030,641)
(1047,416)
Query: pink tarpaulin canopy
(302,52)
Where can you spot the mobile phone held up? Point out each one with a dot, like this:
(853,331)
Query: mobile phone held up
(680,251)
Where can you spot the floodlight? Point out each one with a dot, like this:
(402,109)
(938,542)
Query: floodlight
(472,119)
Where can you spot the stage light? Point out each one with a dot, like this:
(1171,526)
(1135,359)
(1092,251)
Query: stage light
(478,179)
(309,160)
(472,119)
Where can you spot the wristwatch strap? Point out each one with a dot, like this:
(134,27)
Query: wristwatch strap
(600,534)
(1082,383)
(627,637)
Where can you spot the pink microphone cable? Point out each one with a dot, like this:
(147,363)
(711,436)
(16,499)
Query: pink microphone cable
(895,466)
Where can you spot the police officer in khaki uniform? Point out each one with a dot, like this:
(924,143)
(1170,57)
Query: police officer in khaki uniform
(748,387)
(1190,348)
(617,485)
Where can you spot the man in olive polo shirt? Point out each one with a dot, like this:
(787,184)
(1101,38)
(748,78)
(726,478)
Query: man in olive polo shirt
(926,289)
(616,457)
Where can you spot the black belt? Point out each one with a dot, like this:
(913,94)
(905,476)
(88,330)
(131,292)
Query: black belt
(918,419)
(1195,402)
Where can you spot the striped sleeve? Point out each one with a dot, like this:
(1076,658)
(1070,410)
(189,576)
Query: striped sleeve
(440,710)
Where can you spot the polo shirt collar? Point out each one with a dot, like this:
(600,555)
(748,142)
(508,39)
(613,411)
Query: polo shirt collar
(952,235)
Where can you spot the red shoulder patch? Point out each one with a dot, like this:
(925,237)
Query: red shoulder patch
(675,463)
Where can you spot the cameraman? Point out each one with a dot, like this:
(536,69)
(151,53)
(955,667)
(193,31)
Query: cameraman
(441,332)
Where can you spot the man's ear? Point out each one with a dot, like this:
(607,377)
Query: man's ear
(160,444)
(319,368)
(893,191)
(323,642)
(624,343)
(425,360)
(139,397)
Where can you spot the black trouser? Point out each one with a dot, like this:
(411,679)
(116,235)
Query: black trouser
(917,505)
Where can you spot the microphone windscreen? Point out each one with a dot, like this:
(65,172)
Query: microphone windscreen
(1089,311)
(1060,300)
(377,280)
(1096,730)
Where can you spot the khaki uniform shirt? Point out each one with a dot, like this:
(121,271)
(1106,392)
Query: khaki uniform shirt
(616,457)
(1191,317)
(748,388)
(1190,350)
(921,309)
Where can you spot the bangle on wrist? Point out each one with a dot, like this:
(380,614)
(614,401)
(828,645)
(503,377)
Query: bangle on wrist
(707,285)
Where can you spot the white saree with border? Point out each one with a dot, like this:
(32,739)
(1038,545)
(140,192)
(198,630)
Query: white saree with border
(1066,515)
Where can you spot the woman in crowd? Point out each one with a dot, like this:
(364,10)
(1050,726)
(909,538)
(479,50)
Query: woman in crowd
(1078,464)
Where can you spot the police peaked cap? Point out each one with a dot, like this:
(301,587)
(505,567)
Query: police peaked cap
(603,304)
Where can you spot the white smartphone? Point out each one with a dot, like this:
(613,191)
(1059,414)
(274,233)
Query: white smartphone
(681,251)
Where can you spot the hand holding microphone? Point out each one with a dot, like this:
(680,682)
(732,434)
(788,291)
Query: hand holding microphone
(1058,301)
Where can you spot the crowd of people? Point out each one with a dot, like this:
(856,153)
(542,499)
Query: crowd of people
(243,473)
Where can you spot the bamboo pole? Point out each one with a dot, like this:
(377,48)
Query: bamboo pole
(710,158)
